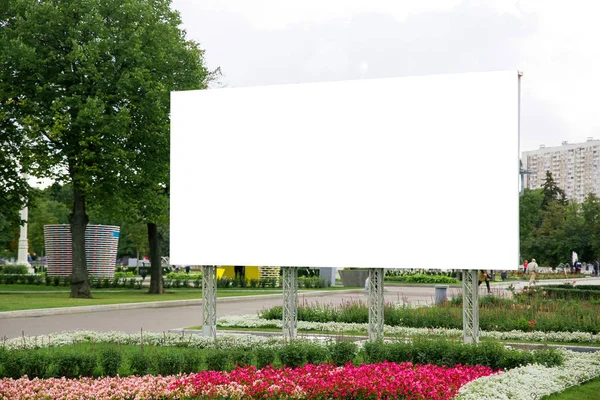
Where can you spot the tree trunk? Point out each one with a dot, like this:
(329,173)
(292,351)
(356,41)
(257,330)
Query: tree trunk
(78,219)
(156,283)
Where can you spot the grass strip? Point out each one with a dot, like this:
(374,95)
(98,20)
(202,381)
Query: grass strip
(588,391)
(32,301)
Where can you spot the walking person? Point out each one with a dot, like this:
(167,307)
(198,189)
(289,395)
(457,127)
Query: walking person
(525,267)
(484,276)
(596,267)
(532,268)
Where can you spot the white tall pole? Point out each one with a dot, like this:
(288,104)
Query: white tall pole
(23,242)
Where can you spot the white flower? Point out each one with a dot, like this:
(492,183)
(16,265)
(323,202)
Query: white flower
(534,381)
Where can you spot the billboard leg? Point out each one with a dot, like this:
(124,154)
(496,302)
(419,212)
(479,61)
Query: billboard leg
(209,301)
(470,306)
(375,304)
(290,302)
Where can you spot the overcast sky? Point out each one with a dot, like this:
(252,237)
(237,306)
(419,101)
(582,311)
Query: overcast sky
(556,44)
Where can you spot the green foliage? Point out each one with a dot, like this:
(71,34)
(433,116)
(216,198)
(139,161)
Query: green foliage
(241,357)
(422,278)
(12,364)
(139,363)
(192,358)
(551,228)
(449,353)
(317,354)
(14,269)
(65,364)
(110,360)
(21,279)
(342,352)
(292,354)
(264,356)
(217,360)
(86,363)
(525,313)
(313,282)
(169,362)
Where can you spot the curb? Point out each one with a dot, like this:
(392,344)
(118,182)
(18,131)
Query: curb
(43,312)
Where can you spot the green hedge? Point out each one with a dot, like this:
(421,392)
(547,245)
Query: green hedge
(14,269)
(575,287)
(95,360)
(421,278)
(565,293)
(444,352)
(28,279)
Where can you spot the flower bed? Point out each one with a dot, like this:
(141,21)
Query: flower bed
(225,341)
(382,381)
(253,321)
(534,381)
(495,313)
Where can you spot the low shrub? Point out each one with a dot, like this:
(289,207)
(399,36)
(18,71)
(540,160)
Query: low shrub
(65,364)
(317,354)
(25,279)
(15,269)
(241,357)
(169,362)
(342,352)
(444,352)
(217,360)
(421,278)
(293,354)
(264,356)
(110,360)
(139,363)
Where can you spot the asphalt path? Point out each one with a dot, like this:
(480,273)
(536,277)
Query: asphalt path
(165,319)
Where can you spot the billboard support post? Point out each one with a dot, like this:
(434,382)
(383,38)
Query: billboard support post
(470,306)
(375,304)
(290,302)
(209,301)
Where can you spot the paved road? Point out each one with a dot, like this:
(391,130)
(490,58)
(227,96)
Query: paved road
(164,319)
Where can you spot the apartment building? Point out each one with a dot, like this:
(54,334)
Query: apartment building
(575,168)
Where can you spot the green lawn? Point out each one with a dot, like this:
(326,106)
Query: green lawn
(54,297)
(30,301)
(587,391)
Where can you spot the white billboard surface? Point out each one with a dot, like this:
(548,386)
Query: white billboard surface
(416,172)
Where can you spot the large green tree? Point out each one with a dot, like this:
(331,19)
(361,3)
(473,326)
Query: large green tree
(86,84)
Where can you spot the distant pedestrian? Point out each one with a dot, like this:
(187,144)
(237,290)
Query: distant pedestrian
(525,267)
(484,276)
(596,267)
(532,268)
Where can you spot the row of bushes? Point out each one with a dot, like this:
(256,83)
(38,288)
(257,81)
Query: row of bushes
(14,269)
(421,278)
(168,282)
(563,293)
(110,360)
(444,352)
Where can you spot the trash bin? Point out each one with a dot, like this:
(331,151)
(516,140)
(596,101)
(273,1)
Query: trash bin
(441,294)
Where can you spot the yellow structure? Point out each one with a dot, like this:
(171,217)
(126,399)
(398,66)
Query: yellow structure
(251,272)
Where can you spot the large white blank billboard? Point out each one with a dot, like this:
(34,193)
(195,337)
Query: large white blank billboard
(417,172)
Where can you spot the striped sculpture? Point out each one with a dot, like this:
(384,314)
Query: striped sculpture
(101,243)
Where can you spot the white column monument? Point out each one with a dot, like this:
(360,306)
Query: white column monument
(23,242)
